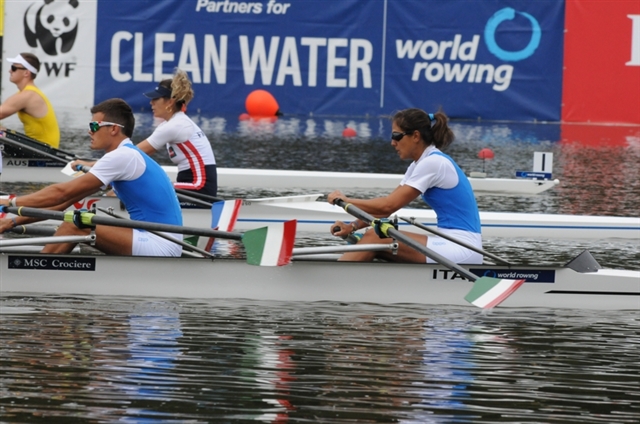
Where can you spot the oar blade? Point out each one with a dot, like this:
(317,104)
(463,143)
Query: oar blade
(272,245)
(225,214)
(489,292)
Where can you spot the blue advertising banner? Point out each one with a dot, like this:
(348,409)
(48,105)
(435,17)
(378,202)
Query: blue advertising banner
(491,59)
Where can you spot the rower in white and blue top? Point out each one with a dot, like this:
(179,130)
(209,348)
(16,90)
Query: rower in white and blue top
(137,180)
(433,175)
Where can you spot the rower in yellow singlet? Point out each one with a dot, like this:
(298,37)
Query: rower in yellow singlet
(32,106)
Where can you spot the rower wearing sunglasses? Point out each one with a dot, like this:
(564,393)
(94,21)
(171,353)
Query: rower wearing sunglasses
(433,175)
(136,179)
(187,145)
(32,106)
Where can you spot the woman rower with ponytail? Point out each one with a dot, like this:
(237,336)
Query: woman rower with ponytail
(436,177)
(187,145)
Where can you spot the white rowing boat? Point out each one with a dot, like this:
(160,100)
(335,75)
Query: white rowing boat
(309,281)
(581,283)
(22,167)
(318,216)
(318,180)
(48,171)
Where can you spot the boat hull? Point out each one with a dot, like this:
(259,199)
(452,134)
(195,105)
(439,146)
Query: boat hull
(306,281)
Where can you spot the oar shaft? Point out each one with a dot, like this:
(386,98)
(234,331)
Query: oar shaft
(200,196)
(91,219)
(362,215)
(413,221)
(193,200)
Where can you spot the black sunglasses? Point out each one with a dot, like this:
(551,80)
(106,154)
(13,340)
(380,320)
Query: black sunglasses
(15,68)
(397,136)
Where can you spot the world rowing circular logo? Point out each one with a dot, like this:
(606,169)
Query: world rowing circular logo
(490,273)
(508,14)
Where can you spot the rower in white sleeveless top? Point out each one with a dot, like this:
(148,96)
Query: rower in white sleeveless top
(435,177)
(187,145)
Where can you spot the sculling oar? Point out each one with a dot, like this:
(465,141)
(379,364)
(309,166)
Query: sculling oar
(194,200)
(268,246)
(487,292)
(204,197)
(413,221)
(21,141)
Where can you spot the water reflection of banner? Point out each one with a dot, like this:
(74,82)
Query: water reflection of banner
(273,374)
(446,376)
(153,350)
(595,153)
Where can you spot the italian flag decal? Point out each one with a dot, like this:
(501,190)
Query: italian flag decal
(270,246)
(489,292)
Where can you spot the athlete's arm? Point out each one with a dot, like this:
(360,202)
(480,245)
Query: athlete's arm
(381,206)
(146,147)
(13,104)
(62,195)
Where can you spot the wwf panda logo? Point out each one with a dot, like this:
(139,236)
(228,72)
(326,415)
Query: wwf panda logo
(53,25)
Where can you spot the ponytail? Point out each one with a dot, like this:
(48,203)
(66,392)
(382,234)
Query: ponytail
(433,127)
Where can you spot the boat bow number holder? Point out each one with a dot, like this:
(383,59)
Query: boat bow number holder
(542,167)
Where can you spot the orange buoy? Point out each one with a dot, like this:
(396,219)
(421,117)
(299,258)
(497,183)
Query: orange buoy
(486,154)
(244,117)
(261,104)
(349,132)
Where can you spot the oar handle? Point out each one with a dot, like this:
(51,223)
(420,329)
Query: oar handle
(362,215)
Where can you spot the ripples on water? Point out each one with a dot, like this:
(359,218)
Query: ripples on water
(135,360)
(113,359)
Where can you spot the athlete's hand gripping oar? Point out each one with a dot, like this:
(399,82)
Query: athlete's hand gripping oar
(487,292)
(268,246)
(413,221)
